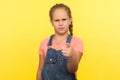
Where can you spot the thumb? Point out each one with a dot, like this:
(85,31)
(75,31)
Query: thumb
(68,45)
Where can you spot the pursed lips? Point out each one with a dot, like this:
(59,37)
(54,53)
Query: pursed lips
(61,28)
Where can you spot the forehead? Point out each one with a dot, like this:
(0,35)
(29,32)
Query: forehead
(60,13)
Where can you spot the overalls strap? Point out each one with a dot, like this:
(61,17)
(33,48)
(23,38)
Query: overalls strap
(67,41)
(50,40)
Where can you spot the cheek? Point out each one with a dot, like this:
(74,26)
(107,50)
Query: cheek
(54,24)
(67,24)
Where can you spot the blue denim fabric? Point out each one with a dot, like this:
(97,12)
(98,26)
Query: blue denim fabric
(55,66)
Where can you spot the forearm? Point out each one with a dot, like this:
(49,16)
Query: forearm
(39,77)
(41,62)
(73,57)
(72,63)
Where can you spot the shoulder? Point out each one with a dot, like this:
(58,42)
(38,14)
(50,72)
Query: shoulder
(76,40)
(44,42)
(43,46)
(77,44)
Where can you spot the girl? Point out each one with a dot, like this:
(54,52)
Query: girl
(61,53)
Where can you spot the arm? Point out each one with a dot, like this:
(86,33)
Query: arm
(73,57)
(73,61)
(40,66)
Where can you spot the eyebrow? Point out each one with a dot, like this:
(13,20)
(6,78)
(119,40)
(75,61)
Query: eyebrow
(62,19)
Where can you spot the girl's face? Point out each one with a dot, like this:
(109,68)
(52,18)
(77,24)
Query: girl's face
(60,21)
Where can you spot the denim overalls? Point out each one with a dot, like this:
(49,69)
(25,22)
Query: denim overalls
(55,66)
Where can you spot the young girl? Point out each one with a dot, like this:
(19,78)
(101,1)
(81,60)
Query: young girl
(61,53)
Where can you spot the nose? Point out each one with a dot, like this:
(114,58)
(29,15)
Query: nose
(60,23)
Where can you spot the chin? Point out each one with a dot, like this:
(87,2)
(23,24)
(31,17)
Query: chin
(62,33)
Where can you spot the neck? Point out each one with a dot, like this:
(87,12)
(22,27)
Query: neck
(59,38)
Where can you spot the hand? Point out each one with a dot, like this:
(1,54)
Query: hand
(67,50)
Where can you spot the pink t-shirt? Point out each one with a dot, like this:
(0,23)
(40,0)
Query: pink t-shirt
(76,43)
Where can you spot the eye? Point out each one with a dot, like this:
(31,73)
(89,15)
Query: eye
(56,20)
(64,19)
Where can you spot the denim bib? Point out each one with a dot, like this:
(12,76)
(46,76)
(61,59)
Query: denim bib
(55,66)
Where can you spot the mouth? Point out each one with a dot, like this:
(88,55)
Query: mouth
(61,28)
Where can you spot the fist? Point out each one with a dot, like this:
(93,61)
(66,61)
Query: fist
(67,50)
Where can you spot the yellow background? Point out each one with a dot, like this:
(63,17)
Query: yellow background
(25,23)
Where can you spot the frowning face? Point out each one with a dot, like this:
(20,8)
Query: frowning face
(60,21)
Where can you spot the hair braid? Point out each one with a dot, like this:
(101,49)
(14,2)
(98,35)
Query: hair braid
(71,29)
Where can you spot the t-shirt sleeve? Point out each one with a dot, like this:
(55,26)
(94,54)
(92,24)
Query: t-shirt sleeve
(78,45)
(41,49)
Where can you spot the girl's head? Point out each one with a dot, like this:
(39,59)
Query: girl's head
(61,18)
